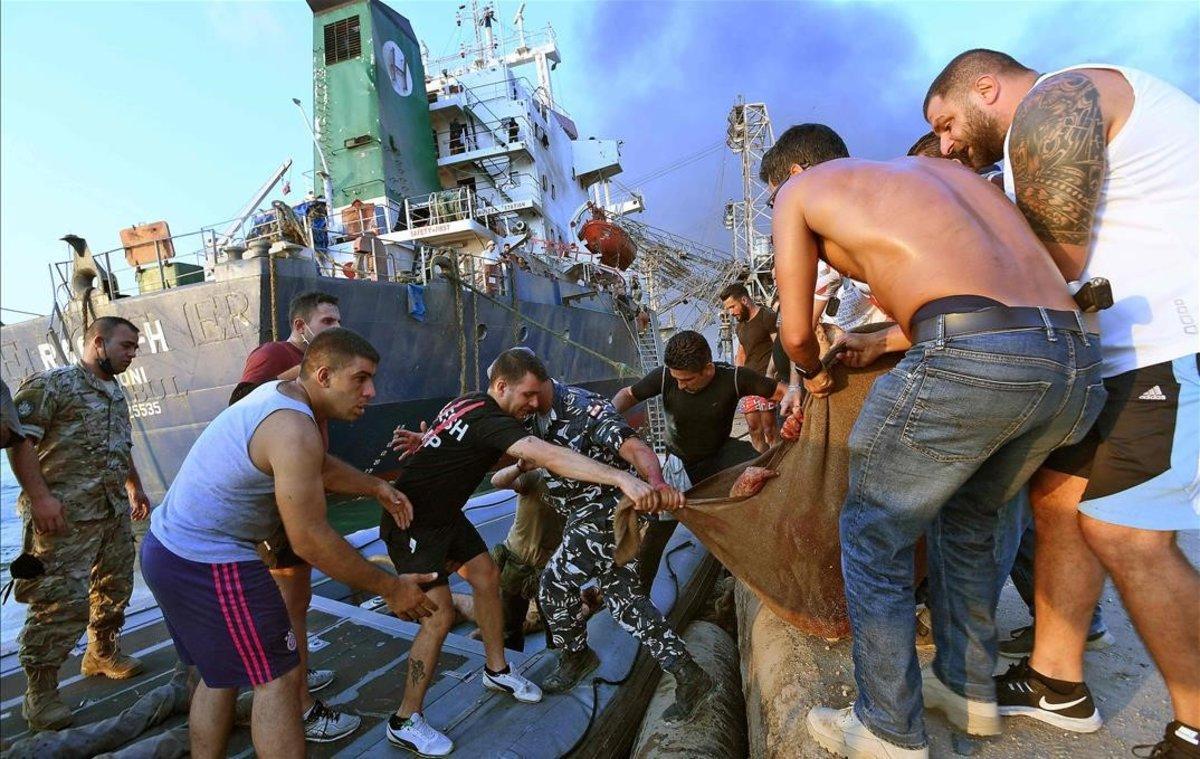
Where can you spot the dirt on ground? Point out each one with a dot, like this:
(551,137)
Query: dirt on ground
(785,673)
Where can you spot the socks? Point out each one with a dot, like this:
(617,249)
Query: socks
(504,671)
(1061,687)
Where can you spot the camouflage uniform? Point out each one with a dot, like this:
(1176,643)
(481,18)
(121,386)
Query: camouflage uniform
(588,423)
(84,441)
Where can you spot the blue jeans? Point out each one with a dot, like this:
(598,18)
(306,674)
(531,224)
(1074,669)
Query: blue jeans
(944,440)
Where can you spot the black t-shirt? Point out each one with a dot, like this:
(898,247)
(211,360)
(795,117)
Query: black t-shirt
(754,335)
(464,442)
(698,424)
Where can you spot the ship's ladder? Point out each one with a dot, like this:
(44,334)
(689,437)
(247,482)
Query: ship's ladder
(649,347)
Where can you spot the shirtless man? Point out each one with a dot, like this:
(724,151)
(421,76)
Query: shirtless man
(1102,160)
(1001,373)
(262,461)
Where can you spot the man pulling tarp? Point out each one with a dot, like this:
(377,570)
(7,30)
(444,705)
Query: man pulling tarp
(759,537)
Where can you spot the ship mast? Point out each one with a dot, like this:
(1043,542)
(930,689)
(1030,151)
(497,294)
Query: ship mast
(749,135)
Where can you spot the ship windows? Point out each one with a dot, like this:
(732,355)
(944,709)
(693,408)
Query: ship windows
(343,40)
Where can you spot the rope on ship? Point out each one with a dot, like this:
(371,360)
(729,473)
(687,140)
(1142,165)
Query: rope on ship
(274,306)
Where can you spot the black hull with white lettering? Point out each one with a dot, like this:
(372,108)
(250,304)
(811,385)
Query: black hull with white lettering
(195,339)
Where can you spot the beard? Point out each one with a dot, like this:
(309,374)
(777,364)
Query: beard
(984,138)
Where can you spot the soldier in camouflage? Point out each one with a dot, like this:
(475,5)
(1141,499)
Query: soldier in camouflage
(587,423)
(77,483)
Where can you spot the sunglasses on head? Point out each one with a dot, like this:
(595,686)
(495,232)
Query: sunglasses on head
(778,187)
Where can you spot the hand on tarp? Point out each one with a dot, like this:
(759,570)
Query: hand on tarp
(395,503)
(861,349)
(407,441)
(646,497)
(750,481)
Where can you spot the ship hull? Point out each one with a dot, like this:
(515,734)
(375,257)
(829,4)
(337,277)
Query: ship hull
(194,341)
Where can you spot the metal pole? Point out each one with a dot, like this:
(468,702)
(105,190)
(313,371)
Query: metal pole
(162,276)
(326,176)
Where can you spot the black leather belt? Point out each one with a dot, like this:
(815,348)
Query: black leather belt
(995,320)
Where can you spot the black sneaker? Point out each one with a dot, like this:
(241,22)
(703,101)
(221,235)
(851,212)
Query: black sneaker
(1020,691)
(1020,642)
(1179,742)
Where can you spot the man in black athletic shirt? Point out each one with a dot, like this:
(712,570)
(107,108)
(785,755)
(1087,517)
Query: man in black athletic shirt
(700,398)
(441,470)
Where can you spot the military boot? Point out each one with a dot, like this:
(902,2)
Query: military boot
(693,687)
(104,657)
(44,708)
(572,667)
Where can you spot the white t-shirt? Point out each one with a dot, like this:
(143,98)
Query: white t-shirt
(1146,234)
(856,308)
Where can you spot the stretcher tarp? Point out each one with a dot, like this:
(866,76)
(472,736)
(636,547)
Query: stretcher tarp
(783,542)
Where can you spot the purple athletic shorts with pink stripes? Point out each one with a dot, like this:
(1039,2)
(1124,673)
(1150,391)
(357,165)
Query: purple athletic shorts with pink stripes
(227,620)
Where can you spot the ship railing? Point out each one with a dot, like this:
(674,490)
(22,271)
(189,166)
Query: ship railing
(505,44)
(197,250)
(471,94)
(458,204)
(480,134)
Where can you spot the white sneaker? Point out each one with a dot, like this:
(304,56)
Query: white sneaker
(418,736)
(968,715)
(318,679)
(840,732)
(510,682)
(324,725)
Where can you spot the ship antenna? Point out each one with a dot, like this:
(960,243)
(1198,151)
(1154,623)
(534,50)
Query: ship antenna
(519,22)
(326,176)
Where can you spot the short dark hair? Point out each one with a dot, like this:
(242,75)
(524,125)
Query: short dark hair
(804,145)
(303,305)
(965,68)
(687,351)
(336,347)
(513,364)
(104,326)
(736,290)
(928,145)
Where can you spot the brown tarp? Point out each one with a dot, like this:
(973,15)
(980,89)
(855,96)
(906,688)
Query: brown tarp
(783,541)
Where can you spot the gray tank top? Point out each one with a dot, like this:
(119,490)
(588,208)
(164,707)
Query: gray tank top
(221,505)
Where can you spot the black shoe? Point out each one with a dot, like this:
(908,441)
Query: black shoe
(693,687)
(1021,691)
(572,667)
(1179,742)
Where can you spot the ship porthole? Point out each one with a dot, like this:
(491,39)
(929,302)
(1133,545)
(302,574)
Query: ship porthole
(480,332)
(523,335)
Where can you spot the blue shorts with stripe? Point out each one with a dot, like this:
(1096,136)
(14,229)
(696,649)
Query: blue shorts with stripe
(227,620)
(1142,457)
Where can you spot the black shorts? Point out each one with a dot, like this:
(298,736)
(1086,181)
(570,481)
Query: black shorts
(442,549)
(1148,420)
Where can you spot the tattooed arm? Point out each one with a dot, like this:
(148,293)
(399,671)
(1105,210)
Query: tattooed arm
(1057,149)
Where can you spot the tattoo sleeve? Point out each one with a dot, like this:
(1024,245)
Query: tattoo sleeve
(1058,162)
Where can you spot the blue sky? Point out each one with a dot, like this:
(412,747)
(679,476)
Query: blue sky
(117,113)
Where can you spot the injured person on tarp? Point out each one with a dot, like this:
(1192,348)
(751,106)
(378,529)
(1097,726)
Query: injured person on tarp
(536,533)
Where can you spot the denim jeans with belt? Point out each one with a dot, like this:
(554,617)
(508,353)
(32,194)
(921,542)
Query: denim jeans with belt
(944,440)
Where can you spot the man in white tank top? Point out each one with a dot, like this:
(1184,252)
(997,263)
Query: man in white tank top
(1104,161)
